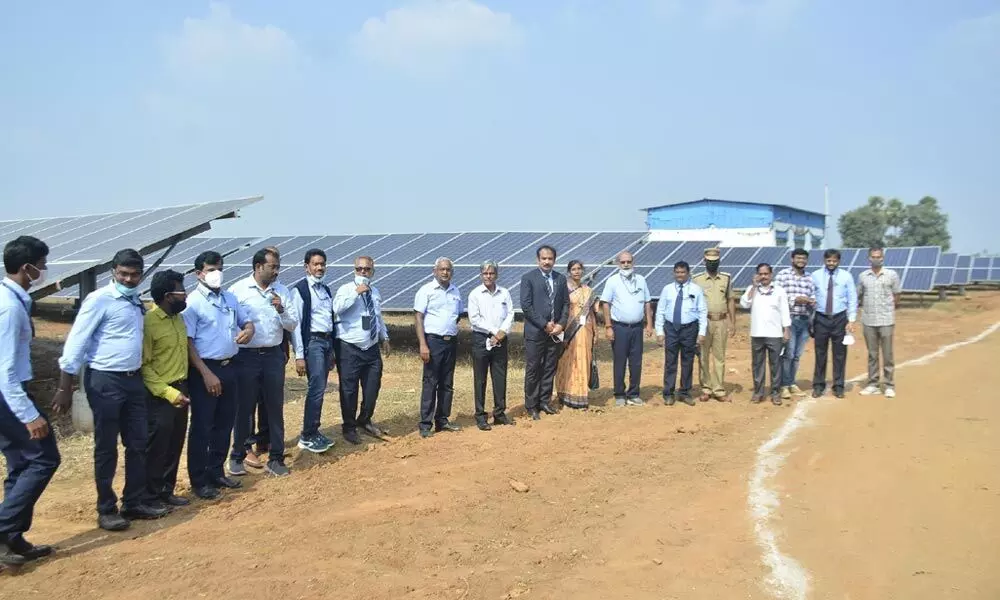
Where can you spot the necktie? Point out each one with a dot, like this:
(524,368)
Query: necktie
(552,295)
(829,295)
(370,307)
(678,303)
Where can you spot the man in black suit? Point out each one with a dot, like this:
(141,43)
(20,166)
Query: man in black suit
(545,304)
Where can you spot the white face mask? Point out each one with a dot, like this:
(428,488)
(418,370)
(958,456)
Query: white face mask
(213,279)
(42,274)
(626,272)
(362,280)
(313,280)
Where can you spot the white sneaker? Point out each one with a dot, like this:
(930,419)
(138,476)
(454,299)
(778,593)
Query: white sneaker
(890,393)
(871,390)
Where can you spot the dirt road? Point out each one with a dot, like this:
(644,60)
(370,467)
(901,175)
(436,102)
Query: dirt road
(643,502)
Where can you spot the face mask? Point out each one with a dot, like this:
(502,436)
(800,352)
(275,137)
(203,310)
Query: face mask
(213,279)
(361,280)
(712,265)
(877,262)
(626,272)
(313,280)
(124,290)
(177,306)
(42,273)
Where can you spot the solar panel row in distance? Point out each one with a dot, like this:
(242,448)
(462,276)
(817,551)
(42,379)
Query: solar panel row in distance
(944,274)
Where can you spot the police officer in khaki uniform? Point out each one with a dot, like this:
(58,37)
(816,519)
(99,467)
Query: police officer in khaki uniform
(721,302)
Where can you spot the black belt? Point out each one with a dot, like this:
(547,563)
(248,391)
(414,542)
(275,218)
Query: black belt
(265,350)
(321,334)
(638,324)
(122,373)
(219,362)
(446,338)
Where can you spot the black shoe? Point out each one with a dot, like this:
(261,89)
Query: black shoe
(352,437)
(9,558)
(228,482)
(669,400)
(426,433)
(687,400)
(839,394)
(502,420)
(144,511)
(756,399)
(21,546)
(447,427)
(817,393)
(483,426)
(535,416)
(207,492)
(373,431)
(173,500)
(776,400)
(545,408)
(112,522)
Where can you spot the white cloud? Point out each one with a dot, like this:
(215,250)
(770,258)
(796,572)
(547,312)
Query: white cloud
(219,41)
(435,34)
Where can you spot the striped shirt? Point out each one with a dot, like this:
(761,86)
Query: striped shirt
(878,302)
(796,285)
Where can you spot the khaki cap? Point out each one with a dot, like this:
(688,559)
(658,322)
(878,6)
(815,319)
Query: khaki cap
(712,254)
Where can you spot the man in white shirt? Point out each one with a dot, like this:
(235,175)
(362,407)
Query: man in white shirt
(491,314)
(312,343)
(360,330)
(261,361)
(437,308)
(770,327)
(625,301)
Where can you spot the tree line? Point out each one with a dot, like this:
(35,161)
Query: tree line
(888,223)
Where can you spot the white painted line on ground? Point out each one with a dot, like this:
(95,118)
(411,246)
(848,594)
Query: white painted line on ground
(788,579)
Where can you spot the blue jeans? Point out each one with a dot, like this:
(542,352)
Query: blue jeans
(794,349)
(319,353)
(30,466)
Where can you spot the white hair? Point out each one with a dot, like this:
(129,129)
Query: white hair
(443,259)
(487,264)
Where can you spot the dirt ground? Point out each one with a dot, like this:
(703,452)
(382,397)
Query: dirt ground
(880,499)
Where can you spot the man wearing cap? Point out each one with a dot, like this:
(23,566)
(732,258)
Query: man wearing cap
(718,287)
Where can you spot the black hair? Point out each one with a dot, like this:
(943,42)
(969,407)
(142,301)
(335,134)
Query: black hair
(127,258)
(682,265)
(800,252)
(23,250)
(572,264)
(314,252)
(260,257)
(208,257)
(770,269)
(876,249)
(538,253)
(163,283)
(831,253)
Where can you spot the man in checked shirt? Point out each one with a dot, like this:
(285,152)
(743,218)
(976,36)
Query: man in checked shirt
(801,291)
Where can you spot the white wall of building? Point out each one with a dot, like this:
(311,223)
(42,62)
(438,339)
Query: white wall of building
(763,236)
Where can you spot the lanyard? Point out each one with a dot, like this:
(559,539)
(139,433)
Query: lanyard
(24,305)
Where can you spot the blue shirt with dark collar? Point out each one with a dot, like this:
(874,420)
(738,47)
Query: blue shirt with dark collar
(106,334)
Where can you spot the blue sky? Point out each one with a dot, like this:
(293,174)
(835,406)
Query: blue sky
(371,116)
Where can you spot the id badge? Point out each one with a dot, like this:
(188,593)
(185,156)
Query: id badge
(583,319)
(366,322)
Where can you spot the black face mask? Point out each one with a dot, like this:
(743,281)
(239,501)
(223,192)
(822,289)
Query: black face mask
(177,306)
(712,265)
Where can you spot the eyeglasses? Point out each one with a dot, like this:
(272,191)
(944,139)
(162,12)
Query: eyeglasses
(362,269)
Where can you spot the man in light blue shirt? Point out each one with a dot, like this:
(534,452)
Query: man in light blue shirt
(216,323)
(836,311)
(360,330)
(261,360)
(107,336)
(437,307)
(681,324)
(625,301)
(27,441)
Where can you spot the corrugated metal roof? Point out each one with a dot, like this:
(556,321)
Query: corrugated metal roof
(688,202)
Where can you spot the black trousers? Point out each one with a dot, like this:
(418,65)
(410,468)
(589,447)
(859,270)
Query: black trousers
(679,341)
(167,430)
(493,363)
(627,350)
(118,402)
(438,384)
(212,420)
(541,357)
(830,330)
(261,373)
(359,368)
(766,351)
(30,466)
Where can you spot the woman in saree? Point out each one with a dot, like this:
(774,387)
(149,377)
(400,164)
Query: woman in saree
(573,373)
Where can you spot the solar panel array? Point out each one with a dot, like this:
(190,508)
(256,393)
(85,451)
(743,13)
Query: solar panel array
(77,244)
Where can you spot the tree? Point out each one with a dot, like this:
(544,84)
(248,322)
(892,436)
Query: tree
(892,223)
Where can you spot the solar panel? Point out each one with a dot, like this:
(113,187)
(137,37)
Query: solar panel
(945,272)
(692,253)
(918,279)
(564,243)
(963,272)
(605,246)
(980,269)
(897,257)
(504,248)
(653,253)
(772,256)
(415,250)
(77,244)
(738,256)
(925,256)
(743,277)
(995,270)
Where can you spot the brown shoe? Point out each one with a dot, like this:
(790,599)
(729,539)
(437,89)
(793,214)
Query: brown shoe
(252,460)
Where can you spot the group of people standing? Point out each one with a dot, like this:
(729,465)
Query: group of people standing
(217,358)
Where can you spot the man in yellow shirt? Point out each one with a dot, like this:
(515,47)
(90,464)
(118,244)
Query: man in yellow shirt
(164,371)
